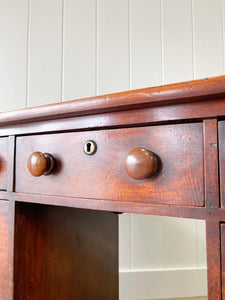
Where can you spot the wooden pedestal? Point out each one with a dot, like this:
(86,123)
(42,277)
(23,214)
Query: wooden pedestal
(65,253)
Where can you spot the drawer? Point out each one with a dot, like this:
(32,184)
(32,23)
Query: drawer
(3,163)
(178,180)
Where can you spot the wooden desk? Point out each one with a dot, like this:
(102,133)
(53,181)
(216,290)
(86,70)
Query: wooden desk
(67,170)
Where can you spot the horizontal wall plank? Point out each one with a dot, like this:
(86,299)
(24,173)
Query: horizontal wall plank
(163,284)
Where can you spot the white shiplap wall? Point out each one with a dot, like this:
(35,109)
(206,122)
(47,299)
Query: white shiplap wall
(58,50)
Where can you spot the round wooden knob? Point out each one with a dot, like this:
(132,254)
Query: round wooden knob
(141,163)
(40,164)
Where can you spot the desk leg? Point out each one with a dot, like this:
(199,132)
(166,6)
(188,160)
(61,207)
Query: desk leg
(213,260)
(223,259)
(65,253)
(5,251)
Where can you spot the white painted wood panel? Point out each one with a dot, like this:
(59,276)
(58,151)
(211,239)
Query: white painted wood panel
(201,243)
(113,46)
(179,243)
(125,241)
(44,52)
(146,242)
(79,53)
(145,43)
(163,284)
(208,38)
(13,54)
(177,40)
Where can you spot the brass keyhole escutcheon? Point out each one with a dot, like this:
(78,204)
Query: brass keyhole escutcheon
(90,147)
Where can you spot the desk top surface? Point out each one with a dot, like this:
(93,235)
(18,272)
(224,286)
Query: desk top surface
(203,90)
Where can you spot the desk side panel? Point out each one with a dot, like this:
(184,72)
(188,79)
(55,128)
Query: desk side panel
(65,253)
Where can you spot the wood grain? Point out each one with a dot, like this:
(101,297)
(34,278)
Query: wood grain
(179,93)
(11,163)
(11,216)
(5,266)
(221,133)
(179,179)
(211,163)
(223,258)
(176,113)
(65,253)
(3,163)
(213,260)
(192,212)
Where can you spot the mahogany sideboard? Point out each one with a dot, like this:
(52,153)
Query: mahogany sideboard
(67,170)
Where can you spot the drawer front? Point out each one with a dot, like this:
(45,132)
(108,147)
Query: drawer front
(179,179)
(3,163)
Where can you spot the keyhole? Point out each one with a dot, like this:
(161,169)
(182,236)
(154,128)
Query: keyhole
(90,147)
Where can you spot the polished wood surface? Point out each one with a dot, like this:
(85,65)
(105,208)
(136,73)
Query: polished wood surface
(179,179)
(211,168)
(3,163)
(70,253)
(221,131)
(5,280)
(223,259)
(174,113)
(63,253)
(141,163)
(40,164)
(184,92)
(192,212)
(213,240)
